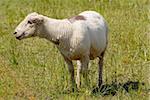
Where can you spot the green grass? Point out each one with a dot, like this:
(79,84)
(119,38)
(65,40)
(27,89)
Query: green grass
(34,69)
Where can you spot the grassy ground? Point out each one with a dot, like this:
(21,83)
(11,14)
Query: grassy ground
(33,69)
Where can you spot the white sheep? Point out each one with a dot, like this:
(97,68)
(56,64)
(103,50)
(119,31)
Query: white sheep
(82,37)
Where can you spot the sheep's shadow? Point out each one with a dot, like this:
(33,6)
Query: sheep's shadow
(111,89)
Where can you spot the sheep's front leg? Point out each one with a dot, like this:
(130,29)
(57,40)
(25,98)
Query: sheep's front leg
(71,71)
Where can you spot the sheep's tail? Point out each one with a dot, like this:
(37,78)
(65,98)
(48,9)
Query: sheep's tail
(107,31)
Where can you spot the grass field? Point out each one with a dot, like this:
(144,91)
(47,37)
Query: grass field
(33,69)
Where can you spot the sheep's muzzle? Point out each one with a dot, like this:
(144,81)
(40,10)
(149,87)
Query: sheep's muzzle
(20,37)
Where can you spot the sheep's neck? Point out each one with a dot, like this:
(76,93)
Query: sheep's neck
(55,30)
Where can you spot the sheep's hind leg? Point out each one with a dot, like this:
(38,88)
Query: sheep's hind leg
(100,70)
(71,71)
(84,70)
(78,79)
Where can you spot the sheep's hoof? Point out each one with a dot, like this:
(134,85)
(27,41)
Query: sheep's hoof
(95,90)
(75,89)
(70,90)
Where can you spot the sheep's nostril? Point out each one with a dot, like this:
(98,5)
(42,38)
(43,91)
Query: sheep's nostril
(15,32)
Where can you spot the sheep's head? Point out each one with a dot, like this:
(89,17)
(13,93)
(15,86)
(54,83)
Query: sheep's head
(29,26)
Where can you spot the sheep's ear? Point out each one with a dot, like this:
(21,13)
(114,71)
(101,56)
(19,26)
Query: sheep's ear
(37,19)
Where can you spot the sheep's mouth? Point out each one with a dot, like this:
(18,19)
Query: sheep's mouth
(21,36)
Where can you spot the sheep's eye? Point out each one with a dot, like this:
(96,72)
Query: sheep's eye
(29,22)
